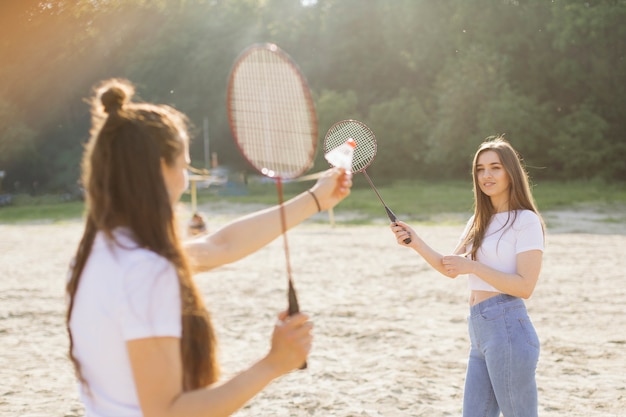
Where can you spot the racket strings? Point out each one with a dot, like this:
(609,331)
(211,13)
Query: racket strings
(272,115)
(365,150)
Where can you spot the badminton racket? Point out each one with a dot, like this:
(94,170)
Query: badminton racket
(364,152)
(273,121)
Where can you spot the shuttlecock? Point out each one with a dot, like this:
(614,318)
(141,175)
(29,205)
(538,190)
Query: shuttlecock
(342,155)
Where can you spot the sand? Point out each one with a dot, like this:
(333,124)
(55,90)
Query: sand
(390,335)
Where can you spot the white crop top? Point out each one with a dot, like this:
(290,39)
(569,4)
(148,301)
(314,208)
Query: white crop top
(508,234)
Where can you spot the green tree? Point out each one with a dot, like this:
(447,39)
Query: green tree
(464,88)
(332,107)
(526,123)
(544,73)
(590,38)
(401,126)
(17,143)
(580,149)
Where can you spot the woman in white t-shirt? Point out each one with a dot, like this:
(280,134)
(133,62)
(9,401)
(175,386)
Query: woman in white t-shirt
(501,251)
(141,339)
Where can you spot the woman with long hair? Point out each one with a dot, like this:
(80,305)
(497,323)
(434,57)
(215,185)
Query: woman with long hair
(501,251)
(141,338)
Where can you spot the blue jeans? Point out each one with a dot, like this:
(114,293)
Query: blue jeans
(503,359)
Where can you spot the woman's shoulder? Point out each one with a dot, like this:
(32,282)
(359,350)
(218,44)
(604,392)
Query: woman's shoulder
(526,215)
(128,253)
(528,219)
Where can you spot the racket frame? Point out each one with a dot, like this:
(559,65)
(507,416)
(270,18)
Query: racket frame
(310,105)
(360,165)
(270,172)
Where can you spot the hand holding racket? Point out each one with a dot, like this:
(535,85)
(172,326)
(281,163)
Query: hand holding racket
(403,232)
(273,121)
(364,152)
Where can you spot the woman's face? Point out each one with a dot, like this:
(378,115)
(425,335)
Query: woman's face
(493,179)
(175,175)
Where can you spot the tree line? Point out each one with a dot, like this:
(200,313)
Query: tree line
(432,79)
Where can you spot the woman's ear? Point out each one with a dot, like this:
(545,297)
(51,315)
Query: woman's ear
(164,166)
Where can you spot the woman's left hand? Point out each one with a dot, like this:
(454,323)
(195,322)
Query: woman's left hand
(456,265)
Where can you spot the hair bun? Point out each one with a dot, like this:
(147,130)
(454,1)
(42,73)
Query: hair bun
(115,93)
(113,99)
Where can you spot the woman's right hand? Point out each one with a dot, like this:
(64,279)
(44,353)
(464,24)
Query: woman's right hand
(292,340)
(403,231)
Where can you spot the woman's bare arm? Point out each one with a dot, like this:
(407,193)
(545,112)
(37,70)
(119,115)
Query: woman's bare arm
(157,371)
(248,234)
(434,258)
(521,284)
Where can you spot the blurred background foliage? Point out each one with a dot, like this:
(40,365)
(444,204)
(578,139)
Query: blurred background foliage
(433,79)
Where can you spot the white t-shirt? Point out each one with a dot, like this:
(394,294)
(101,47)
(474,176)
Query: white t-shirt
(124,293)
(508,234)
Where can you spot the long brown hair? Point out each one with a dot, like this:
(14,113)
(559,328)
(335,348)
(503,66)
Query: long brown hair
(520,195)
(121,174)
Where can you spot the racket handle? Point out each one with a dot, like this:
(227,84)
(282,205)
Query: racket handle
(391,215)
(394,219)
(293,300)
(294,307)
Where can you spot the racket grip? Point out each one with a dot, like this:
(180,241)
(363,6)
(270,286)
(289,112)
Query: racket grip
(391,215)
(293,300)
(394,219)
(294,308)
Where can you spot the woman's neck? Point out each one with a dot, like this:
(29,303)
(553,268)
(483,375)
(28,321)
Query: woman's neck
(500,206)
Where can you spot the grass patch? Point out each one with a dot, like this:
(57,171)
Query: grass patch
(410,200)
(437,201)
(53,208)
(572,195)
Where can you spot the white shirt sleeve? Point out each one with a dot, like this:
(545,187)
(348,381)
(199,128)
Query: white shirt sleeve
(151,306)
(468,225)
(529,233)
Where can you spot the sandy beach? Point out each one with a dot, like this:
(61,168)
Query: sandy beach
(390,335)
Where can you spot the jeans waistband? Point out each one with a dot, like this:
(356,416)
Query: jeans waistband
(497,299)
